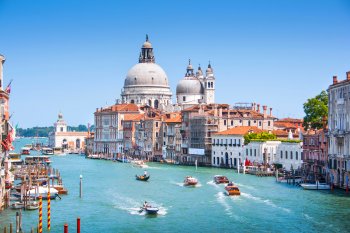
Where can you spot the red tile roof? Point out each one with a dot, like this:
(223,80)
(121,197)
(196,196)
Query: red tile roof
(240,130)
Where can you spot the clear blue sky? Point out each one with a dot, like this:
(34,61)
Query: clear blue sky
(72,56)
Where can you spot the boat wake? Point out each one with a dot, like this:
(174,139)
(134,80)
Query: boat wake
(221,198)
(245,186)
(265,201)
(133,207)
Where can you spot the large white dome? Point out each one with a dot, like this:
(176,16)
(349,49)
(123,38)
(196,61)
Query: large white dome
(146,74)
(190,86)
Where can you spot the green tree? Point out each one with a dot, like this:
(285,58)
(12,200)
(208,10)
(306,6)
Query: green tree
(316,111)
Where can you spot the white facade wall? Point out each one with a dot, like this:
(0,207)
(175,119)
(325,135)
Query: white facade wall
(289,155)
(227,150)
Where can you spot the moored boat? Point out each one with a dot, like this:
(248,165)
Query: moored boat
(142,178)
(219,179)
(316,186)
(190,181)
(17,205)
(232,190)
(25,151)
(32,205)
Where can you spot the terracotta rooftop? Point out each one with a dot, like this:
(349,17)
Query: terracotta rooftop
(133,117)
(176,119)
(291,120)
(120,108)
(240,130)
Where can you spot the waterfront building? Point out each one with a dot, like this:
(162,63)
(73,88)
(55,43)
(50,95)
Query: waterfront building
(108,128)
(146,83)
(129,131)
(199,122)
(171,127)
(196,89)
(227,146)
(339,131)
(289,124)
(89,143)
(6,137)
(315,149)
(64,139)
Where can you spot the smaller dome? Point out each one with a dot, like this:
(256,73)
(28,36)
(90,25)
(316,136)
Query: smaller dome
(190,86)
(147,45)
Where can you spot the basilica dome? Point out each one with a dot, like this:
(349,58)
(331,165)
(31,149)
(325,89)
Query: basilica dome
(190,85)
(146,74)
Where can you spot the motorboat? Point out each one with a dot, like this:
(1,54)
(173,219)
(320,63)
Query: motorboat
(32,205)
(149,209)
(143,177)
(139,163)
(232,190)
(190,181)
(42,191)
(219,179)
(17,205)
(316,186)
(47,151)
(25,151)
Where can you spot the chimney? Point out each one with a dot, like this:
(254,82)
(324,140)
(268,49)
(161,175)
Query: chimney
(258,108)
(215,110)
(265,109)
(2,60)
(348,75)
(270,112)
(335,79)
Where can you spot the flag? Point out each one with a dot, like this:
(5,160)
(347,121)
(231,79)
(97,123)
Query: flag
(8,88)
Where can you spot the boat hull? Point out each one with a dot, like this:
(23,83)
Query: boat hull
(316,187)
(142,178)
(151,210)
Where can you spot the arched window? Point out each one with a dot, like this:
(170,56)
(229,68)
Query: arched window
(77,143)
(132,101)
(156,104)
(149,102)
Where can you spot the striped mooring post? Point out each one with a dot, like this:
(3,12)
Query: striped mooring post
(40,214)
(48,210)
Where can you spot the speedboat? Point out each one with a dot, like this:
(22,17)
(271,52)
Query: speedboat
(218,179)
(142,178)
(316,186)
(43,191)
(232,190)
(190,181)
(149,209)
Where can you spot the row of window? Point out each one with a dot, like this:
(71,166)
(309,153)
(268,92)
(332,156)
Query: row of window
(227,141)
(291,155)
(249,122)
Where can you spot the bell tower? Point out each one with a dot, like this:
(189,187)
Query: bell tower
(209,86)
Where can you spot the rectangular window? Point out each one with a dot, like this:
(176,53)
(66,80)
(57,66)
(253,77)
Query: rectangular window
(286,154)
(296,155)
(224,122)
(255,152)
(291,155)
(281,154)
(251,152)
(231,122)
(246,151)
(268,123)
(157,124)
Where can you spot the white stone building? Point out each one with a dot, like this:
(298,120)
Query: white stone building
(146,83)
(195,88)
(62,138)
(339,131)
(228,150)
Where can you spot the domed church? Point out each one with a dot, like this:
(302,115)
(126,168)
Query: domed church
(146,83)
(196,88)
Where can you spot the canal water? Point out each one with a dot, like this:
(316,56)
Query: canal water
(112,197)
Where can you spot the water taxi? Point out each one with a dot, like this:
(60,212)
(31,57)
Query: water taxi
(219,179)
(25,151)
(232,190)
(47,151)
(190,181)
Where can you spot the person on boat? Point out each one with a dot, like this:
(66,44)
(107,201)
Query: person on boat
(145,173)
(145,204)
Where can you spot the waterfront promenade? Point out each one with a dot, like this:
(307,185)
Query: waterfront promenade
(112,197)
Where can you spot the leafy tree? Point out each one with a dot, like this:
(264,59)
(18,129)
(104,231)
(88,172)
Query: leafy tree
(254,136)
(316,110)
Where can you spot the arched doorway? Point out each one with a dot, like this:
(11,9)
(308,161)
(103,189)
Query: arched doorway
(64,144)
(77,143)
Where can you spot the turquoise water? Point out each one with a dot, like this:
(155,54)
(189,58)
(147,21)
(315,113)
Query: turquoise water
(112,197)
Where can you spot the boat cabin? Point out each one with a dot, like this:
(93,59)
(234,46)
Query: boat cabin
(47,151)
(39,159)
(25,150)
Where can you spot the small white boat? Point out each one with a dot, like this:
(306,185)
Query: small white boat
(316,186)
(32,206)
(17,205)
(43,190)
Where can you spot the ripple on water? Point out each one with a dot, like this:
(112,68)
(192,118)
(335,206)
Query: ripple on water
(265,201)
(221,198)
